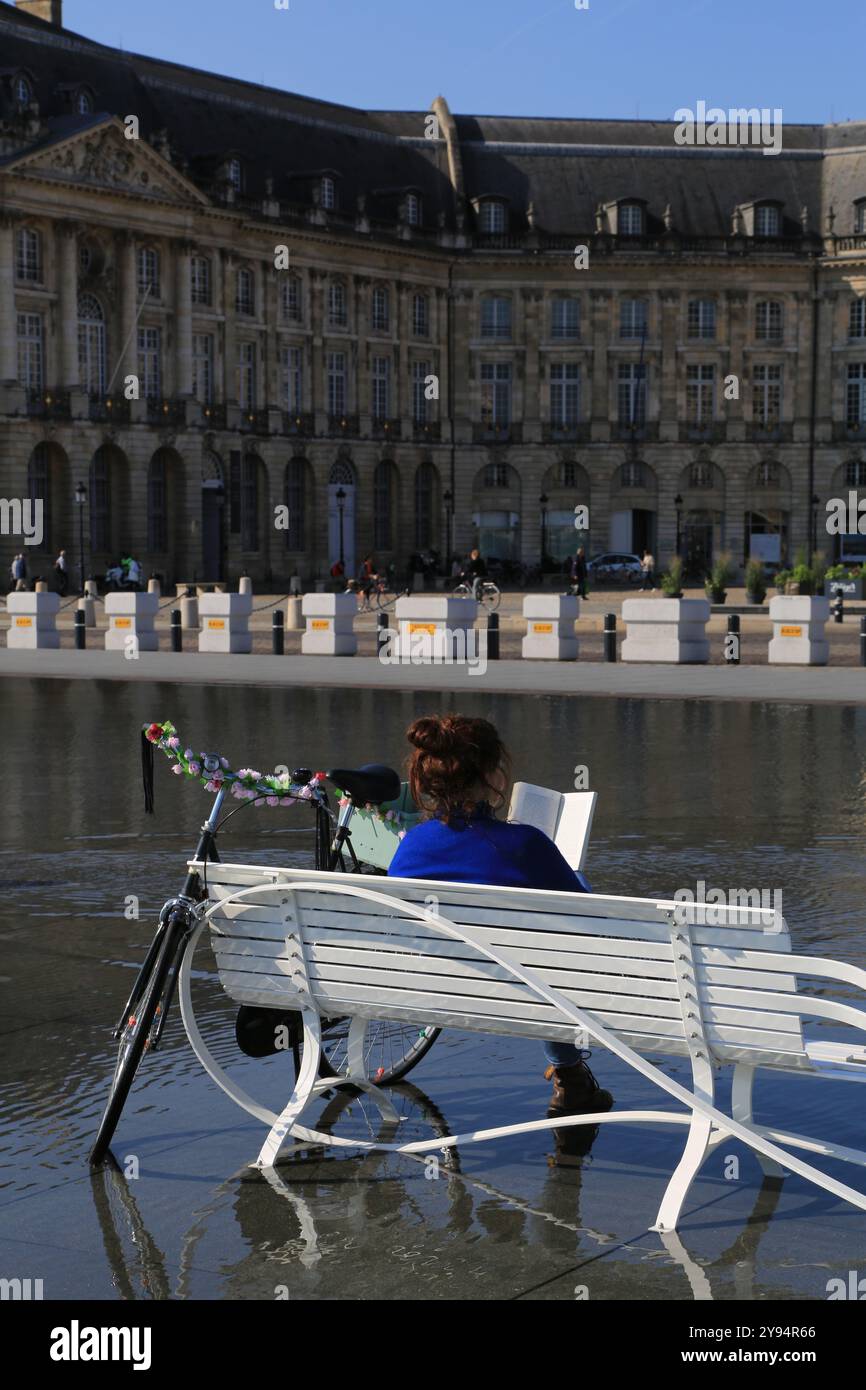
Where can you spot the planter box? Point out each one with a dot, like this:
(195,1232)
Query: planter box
(798,631)
(851,588)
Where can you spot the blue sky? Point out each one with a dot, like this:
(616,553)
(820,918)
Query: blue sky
(622,58)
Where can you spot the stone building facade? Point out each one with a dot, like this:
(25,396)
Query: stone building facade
(250,330)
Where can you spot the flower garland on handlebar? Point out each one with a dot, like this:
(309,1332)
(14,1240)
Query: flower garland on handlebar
(214,773)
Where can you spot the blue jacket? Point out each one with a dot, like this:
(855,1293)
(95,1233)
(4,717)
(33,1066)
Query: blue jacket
(481,849)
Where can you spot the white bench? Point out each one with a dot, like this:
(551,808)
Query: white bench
(621,972)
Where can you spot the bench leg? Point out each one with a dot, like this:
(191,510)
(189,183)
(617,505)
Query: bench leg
(741,1109)
(305,1086)
(697,1147)
(357,1076)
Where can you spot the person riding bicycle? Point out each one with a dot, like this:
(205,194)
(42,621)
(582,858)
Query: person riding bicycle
(459,774)
(475,572)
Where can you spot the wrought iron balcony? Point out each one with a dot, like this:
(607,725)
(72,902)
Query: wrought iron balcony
(711,432)
(345,425)
(49,405)
(778,433)
(213,417)
(427,429)
(386,429)
(496,434)
(639,434)
(554,433)
(254,422)
(166,412)
(109,409)
(844,430)
(297,424)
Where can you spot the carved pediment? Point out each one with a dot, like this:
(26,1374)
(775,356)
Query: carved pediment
(102,157)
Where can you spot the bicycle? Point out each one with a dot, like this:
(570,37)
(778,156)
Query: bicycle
(392,1048)
(378,588)
(488,594)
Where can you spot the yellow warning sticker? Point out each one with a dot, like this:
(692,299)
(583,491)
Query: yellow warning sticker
(789,630)
(542,627)
(23,622)
(422,627)
(320,624)
(123,622)
(217,624)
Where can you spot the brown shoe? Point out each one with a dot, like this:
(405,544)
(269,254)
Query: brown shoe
(575,1091)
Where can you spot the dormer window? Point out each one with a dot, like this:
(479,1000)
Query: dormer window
(235,174)
(84,102)
(23,90)
(329,192)
(630,219)
(767,220)
(413,209)
(493,216)
(860,217)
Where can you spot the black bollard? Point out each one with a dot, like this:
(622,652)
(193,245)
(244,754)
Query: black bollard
(863,641)
(80,630)
(732,649)
(493,636)
(610,637)
(838,606)
(176,631)
(382,628)
(278,632)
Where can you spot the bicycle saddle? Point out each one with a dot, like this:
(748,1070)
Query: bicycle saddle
(373,782)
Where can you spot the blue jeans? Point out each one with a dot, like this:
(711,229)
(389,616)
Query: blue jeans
(558,1054)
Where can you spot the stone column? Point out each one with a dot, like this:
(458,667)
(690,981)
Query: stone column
(668,414)
(68,305)
(183,320)
(601,405)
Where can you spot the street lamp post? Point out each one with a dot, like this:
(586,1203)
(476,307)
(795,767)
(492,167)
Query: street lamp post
(678,503)
(448,498)
(542,502)
(813,538)
(341,498)
(80,499)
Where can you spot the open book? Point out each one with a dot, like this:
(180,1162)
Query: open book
(566,817)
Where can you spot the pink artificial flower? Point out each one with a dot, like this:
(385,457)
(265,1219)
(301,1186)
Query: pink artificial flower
(224,763)
(189,754)
(195,768)
(401,834)
(174,741)
(273,800)
(344,801)
(213,785)
(177,769)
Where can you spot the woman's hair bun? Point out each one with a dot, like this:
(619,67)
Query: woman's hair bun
(428,735)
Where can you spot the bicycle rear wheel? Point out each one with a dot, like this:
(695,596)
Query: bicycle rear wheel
(133,1040)
(391,1048)
(491,597)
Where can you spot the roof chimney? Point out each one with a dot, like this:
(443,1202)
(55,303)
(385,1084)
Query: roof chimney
(51,11)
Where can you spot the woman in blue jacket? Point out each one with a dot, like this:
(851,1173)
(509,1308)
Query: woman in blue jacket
(459,775)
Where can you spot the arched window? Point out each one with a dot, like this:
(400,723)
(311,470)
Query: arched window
(337,316)
(91,344)
(383,505)
(28,255)
(245,292)
(23,90)
(425,491)
(296,501)
(39,490)
(100,501)
(492,216)
(83,102)
(157,504)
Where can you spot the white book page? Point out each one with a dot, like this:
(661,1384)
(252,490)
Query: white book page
(538,806)
(575,823)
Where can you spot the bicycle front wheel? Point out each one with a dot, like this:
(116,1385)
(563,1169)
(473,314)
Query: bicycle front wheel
(133,1041)
(391,1048)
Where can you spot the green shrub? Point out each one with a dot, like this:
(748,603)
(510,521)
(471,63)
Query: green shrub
(672,581)
(756,584)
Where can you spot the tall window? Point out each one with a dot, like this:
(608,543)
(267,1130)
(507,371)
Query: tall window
(564,393)
(860,217)
(768,320)
(855,473)
(147,271)
(31,352)
(296,501)
(630,219)
(157,505)
(245,292)
(632,318)
(202,367)
(200,280)
(425,492)
(28,255)
(700,394)
(383,505)
(247,376)
(857,319)
(291,361)
(855,413)
(767,221)
(39,489)
(420,403)
(631,394)
(23,91)
(421,316)
(292,302)
(149,362)
(492,215)
(83,103)
(565,318)
(336,383)
(702,318)
(235,174)
(766,395)
(495,316)
(329,192)
(495,394)
(337,313)
(100,501)
(413,209)
(91,345)
(496,474)
(381,388)
(380,309)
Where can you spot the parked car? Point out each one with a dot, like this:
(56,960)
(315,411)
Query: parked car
(615,567)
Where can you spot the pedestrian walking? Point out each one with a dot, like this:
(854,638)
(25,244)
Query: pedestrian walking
(61,573)
(578,573)
(648,565)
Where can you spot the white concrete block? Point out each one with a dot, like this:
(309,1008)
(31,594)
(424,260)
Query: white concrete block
(33,620)
(563,606)
(329,605)
(436,608)
(548,647)
(224,623)
(666,629)
(131,615)
(798,631)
